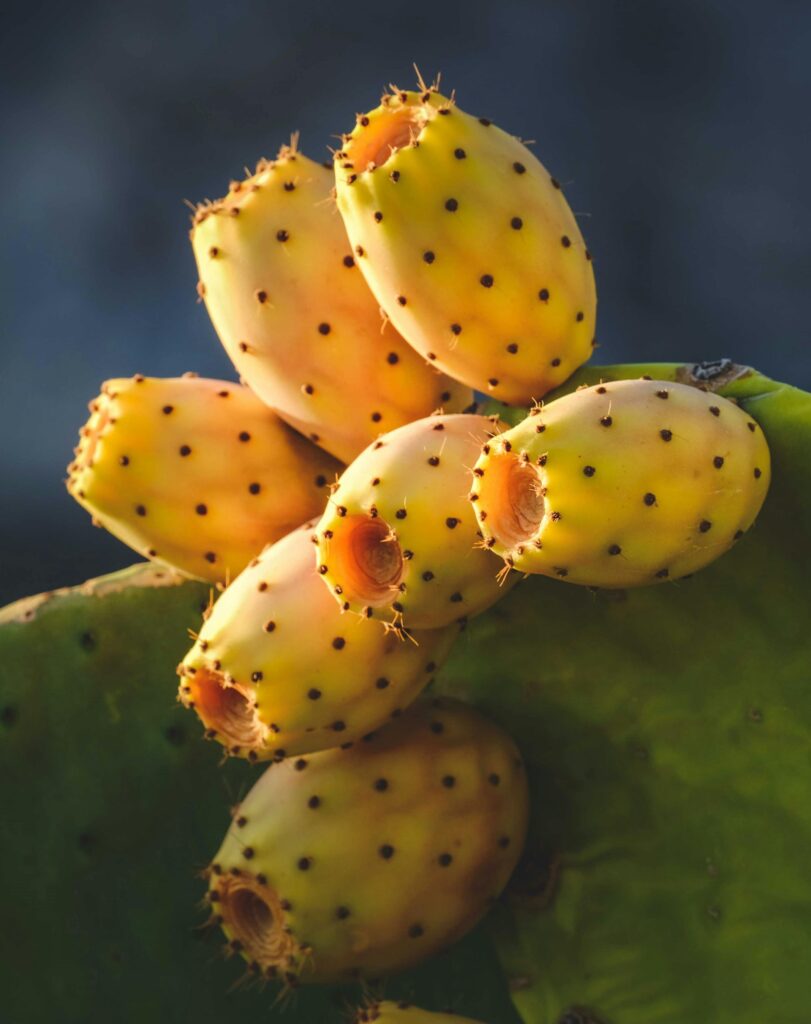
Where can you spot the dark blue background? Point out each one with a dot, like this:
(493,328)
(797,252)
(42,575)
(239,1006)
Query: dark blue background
(679,129)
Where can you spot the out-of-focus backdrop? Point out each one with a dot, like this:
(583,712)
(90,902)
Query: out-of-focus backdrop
(680,131)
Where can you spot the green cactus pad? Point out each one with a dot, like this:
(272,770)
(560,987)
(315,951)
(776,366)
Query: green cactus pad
(112,805)
(667,732)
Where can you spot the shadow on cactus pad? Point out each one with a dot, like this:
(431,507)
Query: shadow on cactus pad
(667,731)
(112,805)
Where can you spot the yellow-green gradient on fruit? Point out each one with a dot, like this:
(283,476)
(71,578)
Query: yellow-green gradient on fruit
(196,473)
(622,484)
(468,244)
(281,284)
(398,539)
(405,1013)
(278,669)
(359,862)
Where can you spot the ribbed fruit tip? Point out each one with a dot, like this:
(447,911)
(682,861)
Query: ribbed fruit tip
(366,557)
(224,708)
(89,436)
(239,190)
(511,491)
(394,125)
(252,915)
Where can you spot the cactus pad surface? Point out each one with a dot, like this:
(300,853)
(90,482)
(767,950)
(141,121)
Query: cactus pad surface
(404,1013)
(111,807)
(666,731)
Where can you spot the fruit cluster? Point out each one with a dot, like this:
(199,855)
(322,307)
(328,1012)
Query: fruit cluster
(356,505)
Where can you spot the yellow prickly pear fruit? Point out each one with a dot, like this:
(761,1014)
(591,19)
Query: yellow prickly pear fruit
(404,1013)
(278,669)
(196,473)
(359,862)
(399,539)
(281,284)
(622,484)
(468,244)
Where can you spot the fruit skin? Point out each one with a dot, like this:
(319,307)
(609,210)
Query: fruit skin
(299,675)
(359,862)
(404,1013)
(195,473)
(468,244)
(280,282)
(399,538)
(622,484)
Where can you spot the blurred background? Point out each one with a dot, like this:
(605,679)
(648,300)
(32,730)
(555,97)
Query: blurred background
(679,130)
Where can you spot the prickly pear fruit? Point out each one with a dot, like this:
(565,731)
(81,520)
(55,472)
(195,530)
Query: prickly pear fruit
(623,484)
(195,473)
(398,535)
(280,281)
(468,244)
(358,862)
(278,669)
(404,1013)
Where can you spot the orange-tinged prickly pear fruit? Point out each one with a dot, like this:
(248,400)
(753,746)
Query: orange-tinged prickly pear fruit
(469,245)
(358,862)
(278,669)
(195,473)
(281,284)
(399,539)
(622,484)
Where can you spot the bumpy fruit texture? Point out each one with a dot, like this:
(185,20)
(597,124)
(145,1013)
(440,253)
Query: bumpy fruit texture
(404,1013)
(468,244)
(399,538)
(280,281)
(278,669)
(358,862)
(196,473)
(622,484)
